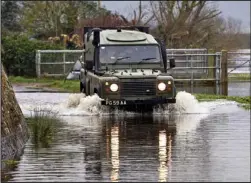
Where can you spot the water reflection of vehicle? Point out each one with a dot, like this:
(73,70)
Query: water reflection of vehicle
(138,134)
(117,145)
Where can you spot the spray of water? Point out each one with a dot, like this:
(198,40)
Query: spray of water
(79,104)
(82,105)
(90,103)
(189,112)
(74,100)
(185,104)
(188,123)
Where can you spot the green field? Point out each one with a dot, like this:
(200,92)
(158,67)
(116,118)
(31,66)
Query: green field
(243,101)
(239,77)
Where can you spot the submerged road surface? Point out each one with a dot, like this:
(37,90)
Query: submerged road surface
(208,141)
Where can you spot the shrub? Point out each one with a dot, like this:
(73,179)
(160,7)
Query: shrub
(19,53)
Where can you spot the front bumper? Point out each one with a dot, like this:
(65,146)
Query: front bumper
(138,102)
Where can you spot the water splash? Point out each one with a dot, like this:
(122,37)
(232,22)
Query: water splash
(187,110)
(188,123)
(81,105)
(186,103)
(74,100)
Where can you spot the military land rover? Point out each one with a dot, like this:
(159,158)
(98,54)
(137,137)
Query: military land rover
(126,67)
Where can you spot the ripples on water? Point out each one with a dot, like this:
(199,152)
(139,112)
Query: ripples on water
(207,141)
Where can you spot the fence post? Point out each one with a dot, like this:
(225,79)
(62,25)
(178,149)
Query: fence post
(38,63)
(64,61)
(211,63)
(192,79)
(224,74)
(217,72)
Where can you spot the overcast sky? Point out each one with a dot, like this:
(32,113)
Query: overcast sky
(236,9)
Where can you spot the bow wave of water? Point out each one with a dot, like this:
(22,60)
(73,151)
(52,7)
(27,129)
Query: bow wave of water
(187,111)
(81,105)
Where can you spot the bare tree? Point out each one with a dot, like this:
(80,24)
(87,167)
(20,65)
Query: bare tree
(184,23)
(139,16)
(110,20)
(226,34)
(231,33)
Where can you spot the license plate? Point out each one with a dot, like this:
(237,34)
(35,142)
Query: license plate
(115,102)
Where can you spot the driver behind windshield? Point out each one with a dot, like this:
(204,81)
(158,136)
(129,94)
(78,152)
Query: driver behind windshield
(107,55)
(132,54)
(146,52)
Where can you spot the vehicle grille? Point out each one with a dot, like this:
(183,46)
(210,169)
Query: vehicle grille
(138,87)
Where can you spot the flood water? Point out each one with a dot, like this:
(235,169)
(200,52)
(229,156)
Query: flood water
(239,88)
(207,141)
(235,88)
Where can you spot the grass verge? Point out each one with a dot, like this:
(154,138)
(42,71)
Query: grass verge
(239,77)
(43,125)
(53,83)
(243,101)
(9,165)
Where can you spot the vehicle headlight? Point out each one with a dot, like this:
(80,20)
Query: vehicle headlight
(161,86)
(169,82)
(114,87)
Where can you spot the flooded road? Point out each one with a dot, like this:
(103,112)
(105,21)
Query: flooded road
(239,88)
(208,141)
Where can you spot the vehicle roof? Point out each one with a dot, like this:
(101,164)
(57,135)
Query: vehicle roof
(112,36)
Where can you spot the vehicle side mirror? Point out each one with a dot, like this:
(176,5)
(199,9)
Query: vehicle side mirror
(77,66)
(89,65)
(96,37)
(163,53)
(75,72)
(172,62)
(164,56)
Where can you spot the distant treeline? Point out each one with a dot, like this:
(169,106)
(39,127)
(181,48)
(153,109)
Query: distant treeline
(244,41)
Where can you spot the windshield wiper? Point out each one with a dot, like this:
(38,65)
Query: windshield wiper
(144,59)
(118,59)
(149,58)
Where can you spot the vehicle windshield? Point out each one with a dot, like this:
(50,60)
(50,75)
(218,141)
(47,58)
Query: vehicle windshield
(129,54)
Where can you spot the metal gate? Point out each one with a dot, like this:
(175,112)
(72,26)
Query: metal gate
(193,66)
(196,68)
(56,62)
(239,61)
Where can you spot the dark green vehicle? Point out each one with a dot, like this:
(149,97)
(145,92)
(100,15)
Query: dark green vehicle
(126,67)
